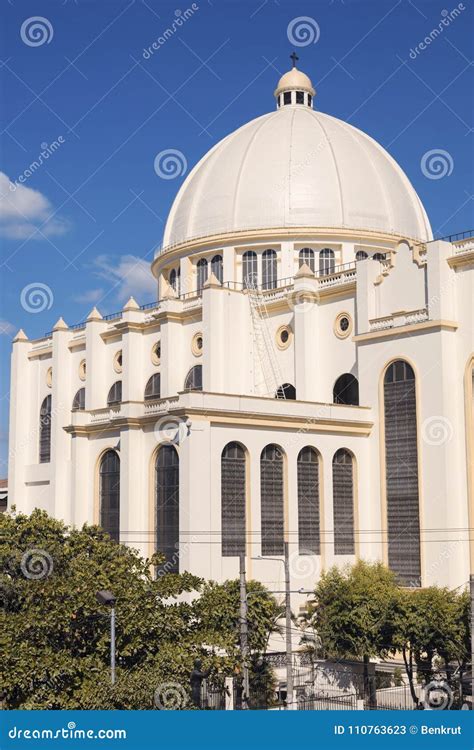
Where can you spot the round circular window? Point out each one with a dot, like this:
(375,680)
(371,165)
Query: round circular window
(197,344)
(82,370)
(343,325)
(283,337)
(49,377)
(118,361)
(156,353)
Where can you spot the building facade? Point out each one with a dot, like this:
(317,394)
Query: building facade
(306,376)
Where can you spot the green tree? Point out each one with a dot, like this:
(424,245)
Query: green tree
(55,637)
(432,622)
(218,621)
(354,613)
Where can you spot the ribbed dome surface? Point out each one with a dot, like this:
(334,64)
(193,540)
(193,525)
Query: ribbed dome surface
(296,167)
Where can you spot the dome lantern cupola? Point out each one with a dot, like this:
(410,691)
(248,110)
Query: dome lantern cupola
(294,87)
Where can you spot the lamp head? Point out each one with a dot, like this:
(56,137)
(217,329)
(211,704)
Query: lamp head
(106,597)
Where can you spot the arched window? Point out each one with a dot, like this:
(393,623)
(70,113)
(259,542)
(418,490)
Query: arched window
(217,267)
(269,269)
(343,502)
(175,280)
(115,394)
(378,256)
(327,261)
(306,255)
(308,502)
(201,273)
(286,391)
(271,500)
(233,499)
(193,380)
(79,401)
(45,431)
(109,476)
(249,269)
(361,255)
(346,390)
(167,507)
(401,467)
(152,388)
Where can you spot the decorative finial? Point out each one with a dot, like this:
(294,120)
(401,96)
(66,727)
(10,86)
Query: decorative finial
(294,57)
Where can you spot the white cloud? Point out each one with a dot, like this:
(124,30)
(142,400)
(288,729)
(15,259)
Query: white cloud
(23,210)
(6,328)
(131,276)
(91,295)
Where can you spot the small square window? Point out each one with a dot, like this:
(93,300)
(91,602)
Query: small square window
(287,97)
(300,97)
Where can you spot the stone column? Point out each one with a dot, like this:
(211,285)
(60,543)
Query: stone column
(305,325)
(61,417)
(23,432)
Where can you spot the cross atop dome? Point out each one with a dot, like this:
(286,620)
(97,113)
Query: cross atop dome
(294,87)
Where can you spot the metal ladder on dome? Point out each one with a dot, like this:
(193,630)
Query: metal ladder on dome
(264,352)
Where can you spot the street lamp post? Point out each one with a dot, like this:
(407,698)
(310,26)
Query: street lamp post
(108,599)
(289,656)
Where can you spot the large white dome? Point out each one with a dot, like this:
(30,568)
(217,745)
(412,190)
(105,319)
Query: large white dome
(296,167)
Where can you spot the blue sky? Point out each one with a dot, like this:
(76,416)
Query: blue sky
(86,221)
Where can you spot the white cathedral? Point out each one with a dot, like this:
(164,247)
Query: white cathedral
(305,377)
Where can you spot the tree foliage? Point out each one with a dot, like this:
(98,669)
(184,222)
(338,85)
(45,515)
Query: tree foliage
(433,623)
(55,637)
(360,612)
(354,611)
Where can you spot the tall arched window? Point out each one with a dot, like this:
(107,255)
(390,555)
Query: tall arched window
(306,255)
(233,499)
(79,401)
(361,255)
(346,390)
(175,279)
(45,431)
(115,394)
(401,467)
(109,490)
(271,500)
(308,502)
(269,269)
(327,261)
(201,273)
(249,269)
(153,387)
(193,380)
(217,267)
(343,502)
(286,391)
(167,507)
